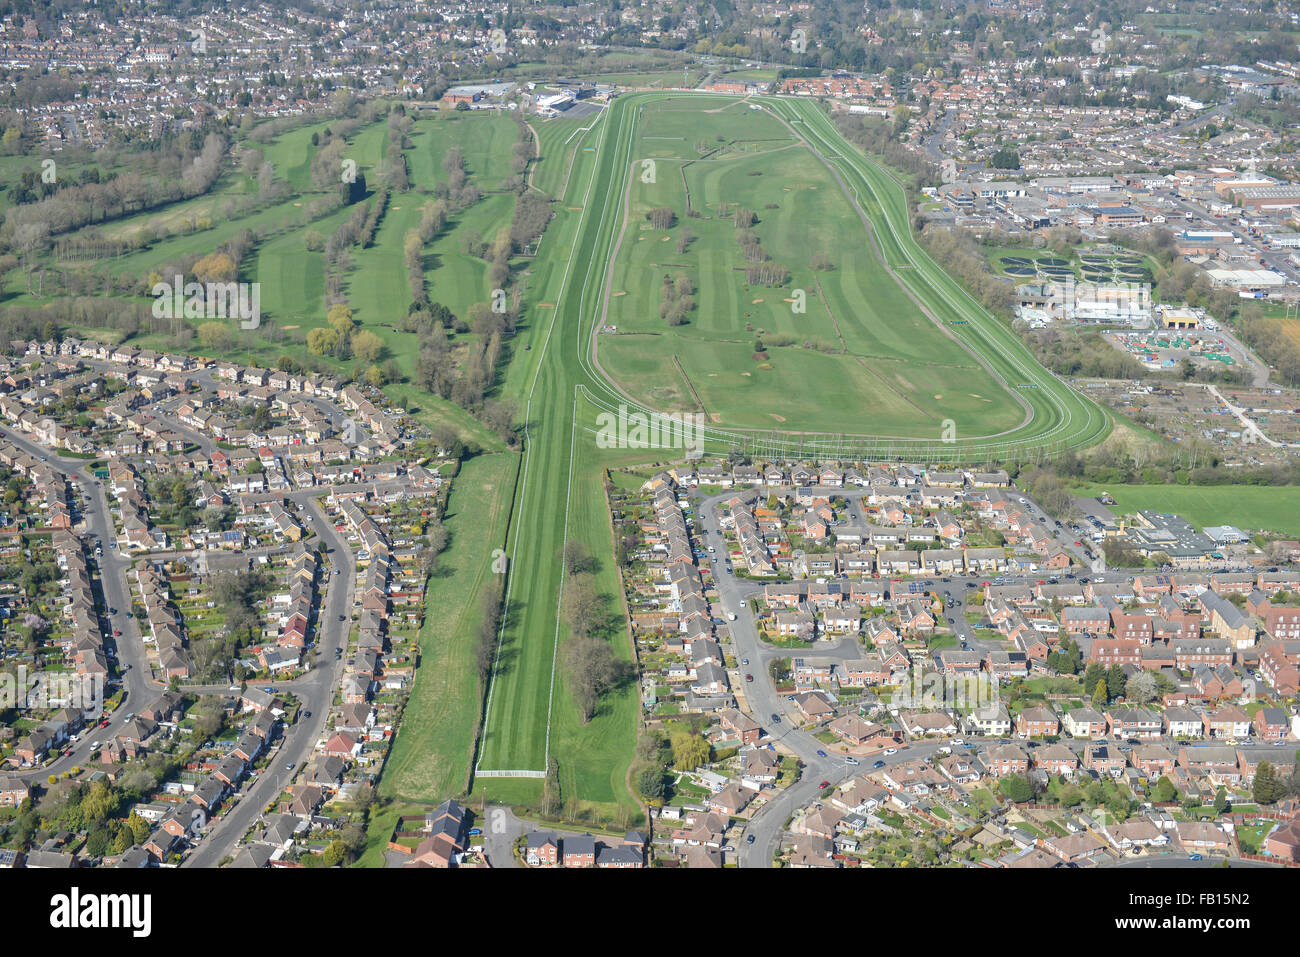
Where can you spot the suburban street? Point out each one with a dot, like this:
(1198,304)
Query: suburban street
(131,657)
(315,691)
(774,712)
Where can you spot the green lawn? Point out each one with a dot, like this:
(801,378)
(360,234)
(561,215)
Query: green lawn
(858,344)
(431,756)
(1249,507)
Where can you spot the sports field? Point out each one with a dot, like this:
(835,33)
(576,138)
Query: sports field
(846,350)
(431,755)
(1252,508)
(530,716)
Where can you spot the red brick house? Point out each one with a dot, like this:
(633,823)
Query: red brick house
(1284,840)
(1271,724)
(1036,723)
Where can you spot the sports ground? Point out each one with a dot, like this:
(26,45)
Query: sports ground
(568,377)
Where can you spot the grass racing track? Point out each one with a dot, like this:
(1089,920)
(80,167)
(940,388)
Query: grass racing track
(1057,418)
(528,715)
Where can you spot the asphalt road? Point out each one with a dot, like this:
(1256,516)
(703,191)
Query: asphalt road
(761,699)
(315,690)
(136,679)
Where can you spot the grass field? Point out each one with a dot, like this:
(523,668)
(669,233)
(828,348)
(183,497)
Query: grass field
(858,347)
(530,712)
(1282,326)
(558,140)
(1021,409)
(1249,507)
(431,756)
(292,277)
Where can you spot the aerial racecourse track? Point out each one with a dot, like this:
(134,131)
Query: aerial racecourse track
(1054,418)
(564,388)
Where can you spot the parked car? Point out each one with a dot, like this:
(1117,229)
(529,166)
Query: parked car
(749,838)
(749,677)
(824,785)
